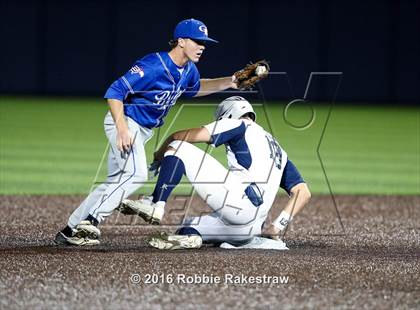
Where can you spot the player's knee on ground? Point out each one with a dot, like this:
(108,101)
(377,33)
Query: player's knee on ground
(302,191)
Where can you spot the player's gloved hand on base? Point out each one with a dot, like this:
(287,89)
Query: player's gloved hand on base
(247,77)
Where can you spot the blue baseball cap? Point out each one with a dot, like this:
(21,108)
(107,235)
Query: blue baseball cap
(192,29)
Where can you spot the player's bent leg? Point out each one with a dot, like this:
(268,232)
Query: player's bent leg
(173,167)
(131,179)
(171,171)
(117,188)
(125,175)
(222,190)
(82,212)
(112,196)
(199,165)
(133,169)
(78,222)
(98,193)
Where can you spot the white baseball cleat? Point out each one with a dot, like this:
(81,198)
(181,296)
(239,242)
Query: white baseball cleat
(62,239)
(258,243)
(86,229)
(163,241)
(150,212)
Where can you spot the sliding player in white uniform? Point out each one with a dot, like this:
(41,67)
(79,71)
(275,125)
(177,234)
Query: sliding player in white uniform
(240,196)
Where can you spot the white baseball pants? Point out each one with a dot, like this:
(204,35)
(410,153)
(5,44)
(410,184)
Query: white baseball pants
(126,173)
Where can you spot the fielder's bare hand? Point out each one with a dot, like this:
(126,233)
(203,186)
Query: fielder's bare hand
(124,140)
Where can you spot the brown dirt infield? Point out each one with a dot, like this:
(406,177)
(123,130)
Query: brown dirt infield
(374,263)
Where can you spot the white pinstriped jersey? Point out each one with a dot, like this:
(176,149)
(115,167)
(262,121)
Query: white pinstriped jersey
(252,153)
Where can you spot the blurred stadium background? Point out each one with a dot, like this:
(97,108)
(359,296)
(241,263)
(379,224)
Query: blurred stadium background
(58,58)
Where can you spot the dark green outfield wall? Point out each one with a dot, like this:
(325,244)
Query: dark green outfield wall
(79,47)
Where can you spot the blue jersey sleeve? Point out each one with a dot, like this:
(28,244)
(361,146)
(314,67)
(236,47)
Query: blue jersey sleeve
(290,177)
(139,78)
(193,85)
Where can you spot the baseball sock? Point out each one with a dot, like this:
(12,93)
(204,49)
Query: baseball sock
(171,170)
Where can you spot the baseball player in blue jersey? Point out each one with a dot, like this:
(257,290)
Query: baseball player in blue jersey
(139,102)
(240,197)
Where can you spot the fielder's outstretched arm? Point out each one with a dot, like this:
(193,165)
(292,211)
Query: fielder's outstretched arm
(210,86)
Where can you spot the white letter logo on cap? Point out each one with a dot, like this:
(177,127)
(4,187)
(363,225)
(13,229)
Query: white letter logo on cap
(203,28)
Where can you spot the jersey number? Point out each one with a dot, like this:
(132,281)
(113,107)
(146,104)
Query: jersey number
(275,150)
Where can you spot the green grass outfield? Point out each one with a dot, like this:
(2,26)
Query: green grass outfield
(57,146)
